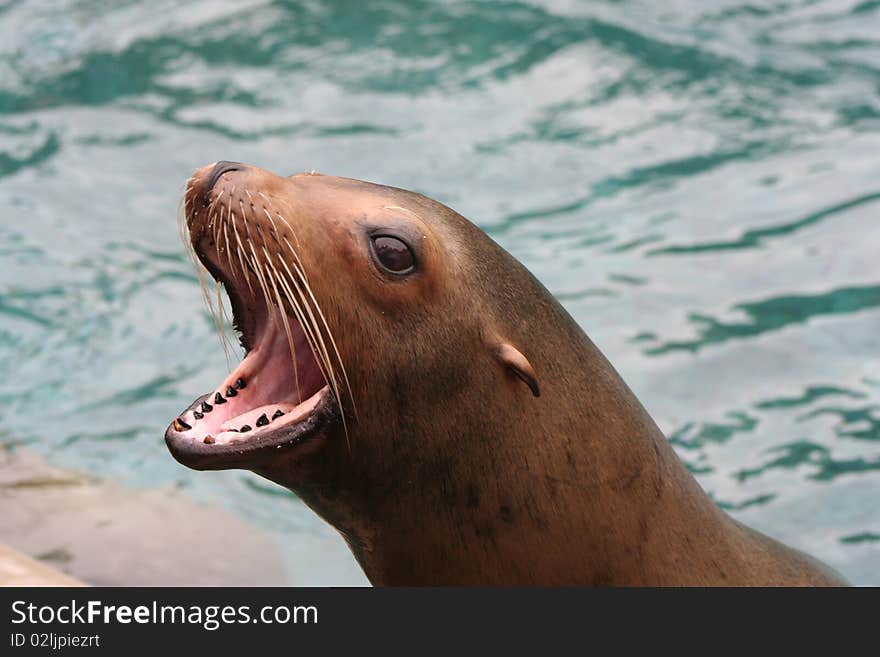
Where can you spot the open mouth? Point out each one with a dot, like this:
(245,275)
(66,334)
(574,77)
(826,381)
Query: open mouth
(276,397)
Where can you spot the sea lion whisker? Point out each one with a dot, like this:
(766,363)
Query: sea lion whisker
(215,224)
(260,278)
(200,275)
(287,330)
(247,228)
(308,288)
(255,261)
(322,358)
(292,231)
(215,216)
(300,269)
(228,250)
(213,204)
(307,326)
(330,372)
(240,252)
(274,232)
(209,302)
(309,323)
(224,336)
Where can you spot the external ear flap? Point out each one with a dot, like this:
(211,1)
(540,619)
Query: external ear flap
(513,359)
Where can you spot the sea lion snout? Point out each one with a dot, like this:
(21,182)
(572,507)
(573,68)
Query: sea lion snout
(223,166)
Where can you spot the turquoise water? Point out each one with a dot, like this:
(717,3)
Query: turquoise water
(698,183)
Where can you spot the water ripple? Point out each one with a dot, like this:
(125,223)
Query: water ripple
(859,423)
(754,238)
(811,394)
(772,314)
(817,457)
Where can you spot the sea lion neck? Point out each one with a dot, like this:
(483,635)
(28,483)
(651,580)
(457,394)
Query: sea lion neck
(593,497)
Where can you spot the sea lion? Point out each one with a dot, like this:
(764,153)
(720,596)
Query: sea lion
(420,390)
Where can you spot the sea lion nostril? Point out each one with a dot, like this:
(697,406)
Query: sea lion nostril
(219,169)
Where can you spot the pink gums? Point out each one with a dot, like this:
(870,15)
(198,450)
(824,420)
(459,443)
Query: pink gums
(271,384)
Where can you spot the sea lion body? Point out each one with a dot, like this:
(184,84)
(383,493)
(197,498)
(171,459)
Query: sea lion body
(487,440)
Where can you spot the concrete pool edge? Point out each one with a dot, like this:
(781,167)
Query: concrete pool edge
(18,569)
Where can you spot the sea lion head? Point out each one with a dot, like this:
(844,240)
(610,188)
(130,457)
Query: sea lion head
(373,324)
(420,390)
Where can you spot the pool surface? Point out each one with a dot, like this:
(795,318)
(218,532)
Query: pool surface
(697,182)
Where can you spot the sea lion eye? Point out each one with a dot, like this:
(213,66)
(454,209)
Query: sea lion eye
(393,254)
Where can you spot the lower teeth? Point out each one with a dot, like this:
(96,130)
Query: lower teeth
(231,391)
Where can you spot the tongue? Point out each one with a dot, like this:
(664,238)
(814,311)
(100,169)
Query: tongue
(257,417)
